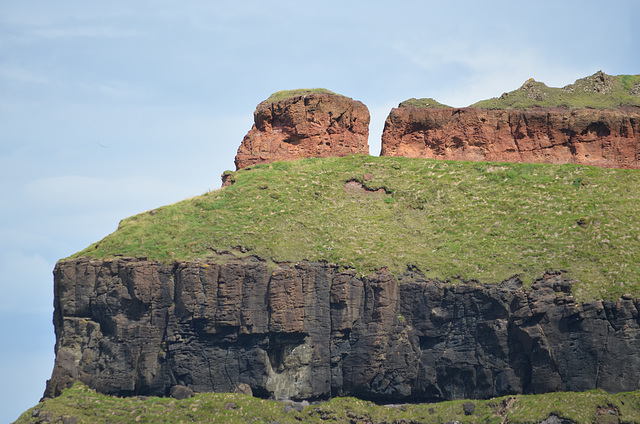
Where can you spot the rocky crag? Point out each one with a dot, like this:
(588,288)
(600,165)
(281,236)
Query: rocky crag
(305,123)
(606,138)
(312,331)
(595,121)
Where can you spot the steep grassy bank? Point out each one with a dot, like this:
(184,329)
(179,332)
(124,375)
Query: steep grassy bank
(83,405)
(450,220)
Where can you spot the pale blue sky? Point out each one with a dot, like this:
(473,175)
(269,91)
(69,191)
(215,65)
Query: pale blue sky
(110,109)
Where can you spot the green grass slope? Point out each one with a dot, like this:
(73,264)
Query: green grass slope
(598,91)
(454,221)
(80,405)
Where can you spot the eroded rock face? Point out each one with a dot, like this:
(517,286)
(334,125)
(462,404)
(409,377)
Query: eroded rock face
(605,138)
(311,125)
(311,331)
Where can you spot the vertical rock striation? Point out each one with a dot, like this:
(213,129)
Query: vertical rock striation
(305,125)
(311,331)
(606,138)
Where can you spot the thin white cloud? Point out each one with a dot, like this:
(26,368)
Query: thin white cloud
(86,32)
(22,75)
(491,68)
(74,191)
(112,89)
(23,239)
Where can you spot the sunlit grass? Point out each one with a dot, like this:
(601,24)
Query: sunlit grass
(591,92)
(451,220)
(87,406)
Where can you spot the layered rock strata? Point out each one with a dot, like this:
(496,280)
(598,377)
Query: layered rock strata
(605,138)
(313,330)
(306,125)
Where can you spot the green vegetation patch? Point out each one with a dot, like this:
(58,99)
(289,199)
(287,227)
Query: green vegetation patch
(285,94)
(423,103)
(80,405)
(599,91)
(454,221)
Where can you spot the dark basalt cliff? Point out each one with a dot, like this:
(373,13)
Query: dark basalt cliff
(312,330)
(606,138)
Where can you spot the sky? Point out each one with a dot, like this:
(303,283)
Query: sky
(109,109)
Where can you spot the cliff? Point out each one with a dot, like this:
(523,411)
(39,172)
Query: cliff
(312,330)
(305,123)
(594,121)
(605,138)
(389,279)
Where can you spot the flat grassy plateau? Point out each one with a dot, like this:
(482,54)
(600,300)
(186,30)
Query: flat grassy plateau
(453,221)
(87,406)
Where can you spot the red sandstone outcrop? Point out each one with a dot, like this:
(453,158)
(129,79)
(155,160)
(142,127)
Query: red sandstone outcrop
(605,138)
(307,125)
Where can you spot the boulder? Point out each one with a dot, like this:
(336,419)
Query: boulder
(181,392)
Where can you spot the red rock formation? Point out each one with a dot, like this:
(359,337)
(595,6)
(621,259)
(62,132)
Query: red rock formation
(311,125)
(605,138)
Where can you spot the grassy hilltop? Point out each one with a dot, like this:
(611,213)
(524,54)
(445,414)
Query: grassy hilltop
(454,221)
(597,91)
(285,94)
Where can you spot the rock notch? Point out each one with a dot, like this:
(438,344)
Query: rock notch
(305,123)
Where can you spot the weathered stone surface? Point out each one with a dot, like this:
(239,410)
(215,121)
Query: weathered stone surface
(312,331)
(181,392)
(605,138)
(311,125)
